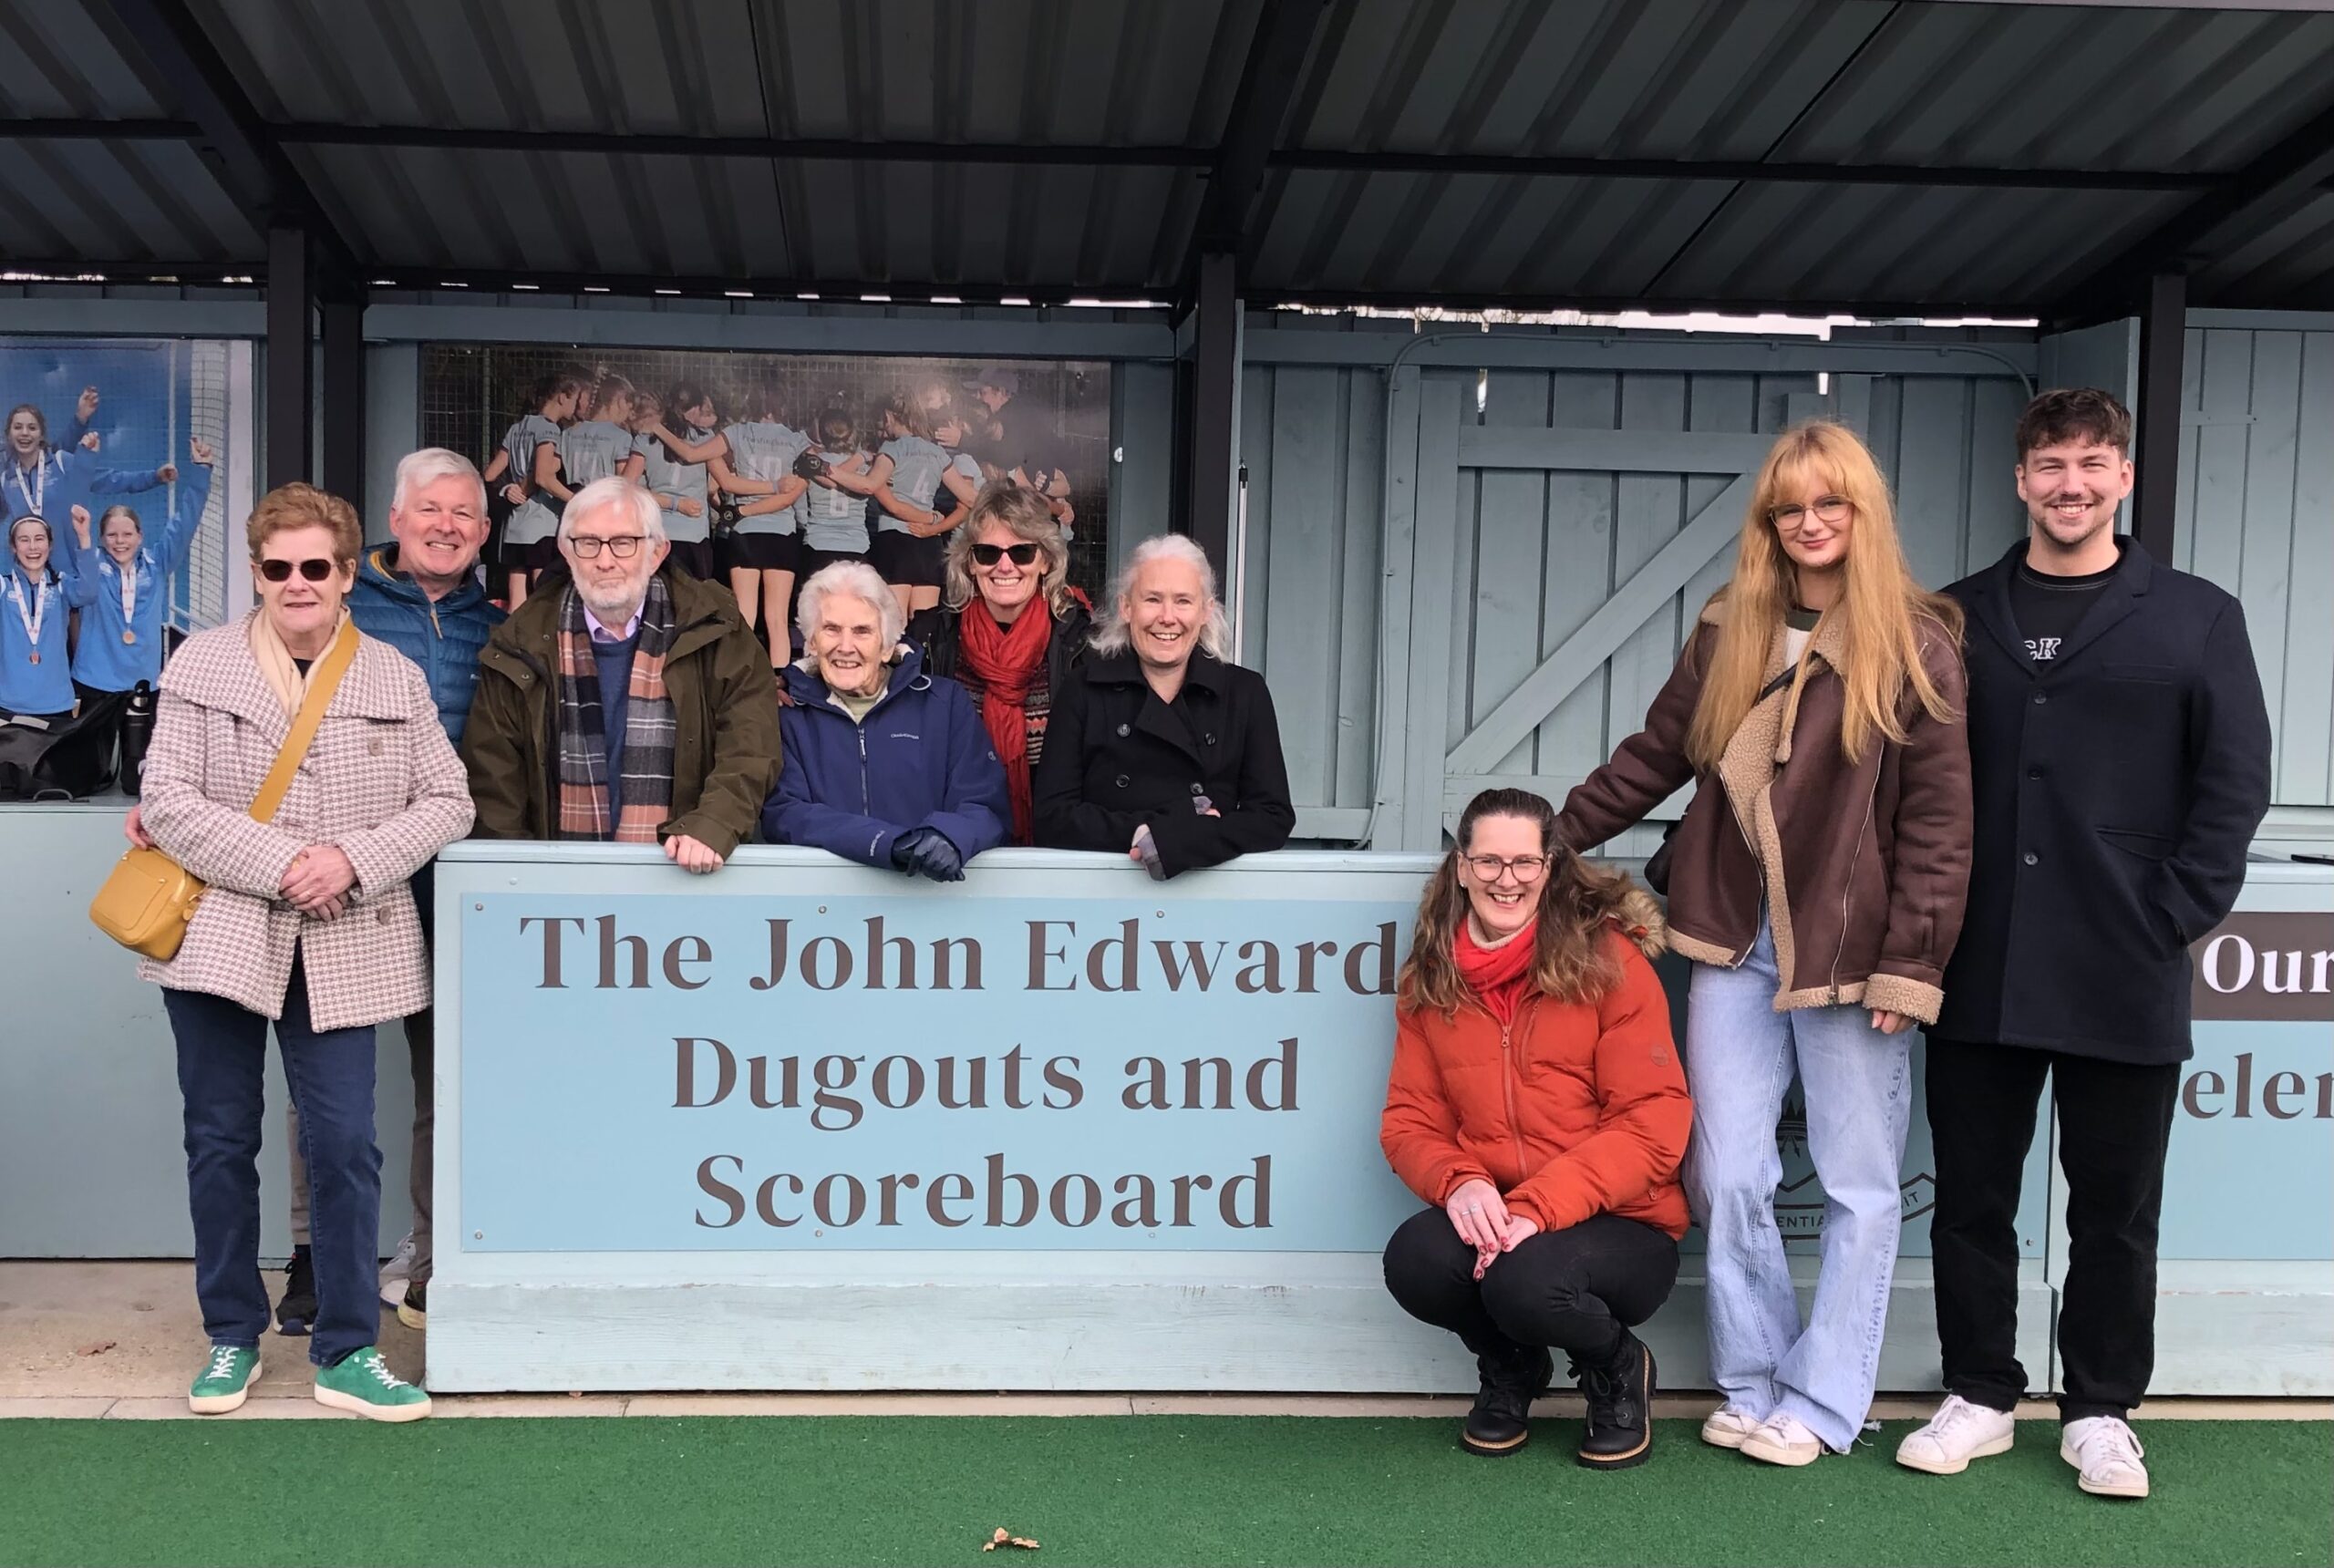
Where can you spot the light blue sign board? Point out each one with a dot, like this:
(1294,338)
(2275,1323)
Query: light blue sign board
(2251,1167)
(891,1126)
(582,1131)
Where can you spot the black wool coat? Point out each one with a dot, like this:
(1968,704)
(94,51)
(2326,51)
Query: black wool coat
(2117,790)
(1116,757)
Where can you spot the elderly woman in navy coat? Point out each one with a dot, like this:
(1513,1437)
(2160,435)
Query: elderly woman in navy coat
(884,765)
(1157,749)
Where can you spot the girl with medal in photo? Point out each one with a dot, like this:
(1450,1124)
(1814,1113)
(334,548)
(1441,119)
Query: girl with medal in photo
(36,675)
(37,480)
(120,584)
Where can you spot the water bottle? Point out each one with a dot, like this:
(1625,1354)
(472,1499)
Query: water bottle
(137,732)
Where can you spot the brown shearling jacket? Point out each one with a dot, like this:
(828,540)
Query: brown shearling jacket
(1863,865)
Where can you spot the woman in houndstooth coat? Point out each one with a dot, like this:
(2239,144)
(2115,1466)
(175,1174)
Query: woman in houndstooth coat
(306,923)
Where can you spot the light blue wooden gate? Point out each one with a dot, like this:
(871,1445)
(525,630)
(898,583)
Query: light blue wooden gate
(1557,510)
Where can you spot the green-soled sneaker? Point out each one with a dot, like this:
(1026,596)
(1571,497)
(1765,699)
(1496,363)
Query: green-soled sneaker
(226,1381)
(361,1381)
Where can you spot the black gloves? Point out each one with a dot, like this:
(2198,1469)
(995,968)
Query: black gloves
(926,851)
(808,464)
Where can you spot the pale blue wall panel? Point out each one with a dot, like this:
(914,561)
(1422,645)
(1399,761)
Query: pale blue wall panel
(2257,516)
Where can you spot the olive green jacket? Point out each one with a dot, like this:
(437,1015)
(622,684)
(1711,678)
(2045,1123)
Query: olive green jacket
(724,747)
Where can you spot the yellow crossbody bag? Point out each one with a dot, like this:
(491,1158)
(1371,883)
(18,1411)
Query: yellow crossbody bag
(149,898)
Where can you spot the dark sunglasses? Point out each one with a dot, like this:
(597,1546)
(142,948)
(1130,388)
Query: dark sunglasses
(314,569)
(989,554)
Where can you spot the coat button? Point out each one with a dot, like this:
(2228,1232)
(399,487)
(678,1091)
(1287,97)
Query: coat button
(1123,730)
(381,917)
(374,746)
(2034,773)
(2040,697)
(1199,790)
(1120,781)
(2032,859)
(1207,740)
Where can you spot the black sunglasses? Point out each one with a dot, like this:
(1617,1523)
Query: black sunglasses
(314,569)
(989,554)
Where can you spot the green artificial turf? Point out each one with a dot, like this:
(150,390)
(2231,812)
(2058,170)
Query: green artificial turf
(1105,1490)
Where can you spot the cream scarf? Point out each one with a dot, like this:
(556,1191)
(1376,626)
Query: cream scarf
(277,667)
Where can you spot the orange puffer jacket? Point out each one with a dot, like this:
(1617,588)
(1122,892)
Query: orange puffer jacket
(1579,1109)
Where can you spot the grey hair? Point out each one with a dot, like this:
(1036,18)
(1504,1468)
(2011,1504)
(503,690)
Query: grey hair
(1112,634)
(614,491)
(852,579)
(427,467)
(1021,512)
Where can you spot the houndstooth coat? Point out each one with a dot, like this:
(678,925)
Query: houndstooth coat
(381,781)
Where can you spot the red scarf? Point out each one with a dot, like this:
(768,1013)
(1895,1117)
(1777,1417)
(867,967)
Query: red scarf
(1007,661)
(1497,975)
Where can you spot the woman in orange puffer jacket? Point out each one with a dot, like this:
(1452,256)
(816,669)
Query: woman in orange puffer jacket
(1537,1103)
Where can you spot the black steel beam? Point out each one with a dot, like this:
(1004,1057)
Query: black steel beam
(343,468)
(290,379)
(2155,443)
(1732,170)
(2238,207)
(187,72)
(1328,160)
(100,130)
(803,148)
(1260,102)
(1214,412)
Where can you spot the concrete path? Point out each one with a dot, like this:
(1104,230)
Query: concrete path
(121,1340)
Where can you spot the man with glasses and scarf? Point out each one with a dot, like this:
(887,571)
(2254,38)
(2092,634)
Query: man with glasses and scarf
(628,702)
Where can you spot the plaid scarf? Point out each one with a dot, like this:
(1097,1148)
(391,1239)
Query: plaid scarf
(648,727)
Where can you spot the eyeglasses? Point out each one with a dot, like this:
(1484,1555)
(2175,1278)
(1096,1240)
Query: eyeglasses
(989,554)
(1527,868)
(1830,510)
(315,569)
(622,546)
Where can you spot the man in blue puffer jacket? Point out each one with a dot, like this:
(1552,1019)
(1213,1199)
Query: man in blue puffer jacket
(884,765)
(422,596)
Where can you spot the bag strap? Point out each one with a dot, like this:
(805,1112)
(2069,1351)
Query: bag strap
(336,660)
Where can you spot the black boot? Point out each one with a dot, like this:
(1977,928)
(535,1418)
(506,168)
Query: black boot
(1619,1391)
(296,1313)
(1500,1421)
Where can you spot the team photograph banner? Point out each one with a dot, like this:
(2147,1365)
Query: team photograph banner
(1046,422)
(92,419)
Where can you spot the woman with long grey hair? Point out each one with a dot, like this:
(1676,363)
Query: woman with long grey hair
(1157,747)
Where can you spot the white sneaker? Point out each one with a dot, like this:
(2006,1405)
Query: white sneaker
(1727,1426)
(1959,1432)
(1783,1439)
(397,1272)
(2108,1454)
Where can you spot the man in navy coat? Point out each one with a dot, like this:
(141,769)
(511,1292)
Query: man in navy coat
(2119,751)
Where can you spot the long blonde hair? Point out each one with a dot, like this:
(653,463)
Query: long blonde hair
(1879,610)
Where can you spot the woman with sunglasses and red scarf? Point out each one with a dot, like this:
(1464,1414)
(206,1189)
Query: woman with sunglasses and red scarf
(1011,629)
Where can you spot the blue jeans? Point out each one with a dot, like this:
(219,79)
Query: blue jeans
(222,1054)
(1857,1083)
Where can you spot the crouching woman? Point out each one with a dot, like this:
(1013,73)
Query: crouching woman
(1536,1104)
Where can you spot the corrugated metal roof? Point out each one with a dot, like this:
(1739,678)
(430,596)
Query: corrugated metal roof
(2111,91)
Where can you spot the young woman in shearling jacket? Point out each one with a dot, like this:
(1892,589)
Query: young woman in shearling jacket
(1816,882)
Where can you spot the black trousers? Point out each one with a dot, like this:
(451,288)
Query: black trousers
(1576,1289)
(2115,1126)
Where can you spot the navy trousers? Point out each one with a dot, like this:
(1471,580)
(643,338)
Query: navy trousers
(222,1052)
